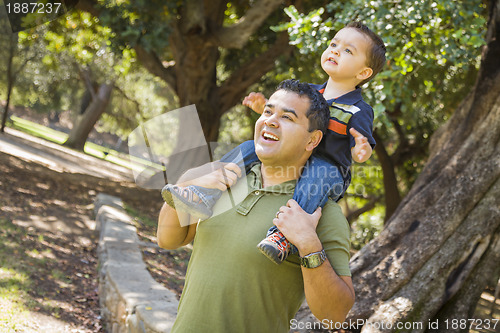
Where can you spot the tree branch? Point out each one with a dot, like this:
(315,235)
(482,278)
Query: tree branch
(351,216)
(237,35)
(85,76)
(153,64)
(232,89)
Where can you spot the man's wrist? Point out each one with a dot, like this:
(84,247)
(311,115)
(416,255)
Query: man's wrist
(310,247)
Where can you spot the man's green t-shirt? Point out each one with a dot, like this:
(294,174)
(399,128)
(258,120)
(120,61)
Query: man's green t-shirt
(230,285)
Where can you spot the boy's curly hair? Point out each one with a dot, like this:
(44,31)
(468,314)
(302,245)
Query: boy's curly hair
(376,54)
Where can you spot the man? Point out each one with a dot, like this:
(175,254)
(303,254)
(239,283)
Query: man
(230,286)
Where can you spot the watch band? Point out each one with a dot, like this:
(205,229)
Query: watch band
(313,260)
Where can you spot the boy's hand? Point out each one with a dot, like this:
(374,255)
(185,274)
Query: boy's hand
(255,101)
(362,151)
(213,175)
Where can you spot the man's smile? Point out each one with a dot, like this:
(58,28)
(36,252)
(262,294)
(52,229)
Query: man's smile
(268,136)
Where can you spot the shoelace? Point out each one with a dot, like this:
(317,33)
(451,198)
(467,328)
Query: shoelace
(281,242)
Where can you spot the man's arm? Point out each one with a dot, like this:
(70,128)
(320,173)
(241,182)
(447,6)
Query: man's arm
(328,295)
(177,228)
(171,233)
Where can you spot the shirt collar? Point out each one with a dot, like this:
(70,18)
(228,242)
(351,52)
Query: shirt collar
(351,98)
(255,183)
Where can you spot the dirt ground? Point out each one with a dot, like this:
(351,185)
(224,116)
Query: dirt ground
(47,219)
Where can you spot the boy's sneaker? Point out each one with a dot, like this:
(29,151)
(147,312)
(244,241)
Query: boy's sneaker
(276,247)
(183,199)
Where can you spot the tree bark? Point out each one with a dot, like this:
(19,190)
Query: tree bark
(85,122)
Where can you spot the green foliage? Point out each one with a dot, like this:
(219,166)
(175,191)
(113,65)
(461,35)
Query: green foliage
(236,127)
(304,26)
(38,85)
(83,38)
(366,228)
(147,21)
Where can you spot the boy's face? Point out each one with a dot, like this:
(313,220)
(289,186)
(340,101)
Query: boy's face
(345,59)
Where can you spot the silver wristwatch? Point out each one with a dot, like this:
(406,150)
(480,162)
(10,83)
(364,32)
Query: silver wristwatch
(313,260)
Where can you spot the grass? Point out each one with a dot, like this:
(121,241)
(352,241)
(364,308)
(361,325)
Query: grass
(90,148)
(38,130)
(139,218)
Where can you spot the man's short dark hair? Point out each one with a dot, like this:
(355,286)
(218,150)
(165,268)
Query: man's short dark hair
(376,53)
(318,112)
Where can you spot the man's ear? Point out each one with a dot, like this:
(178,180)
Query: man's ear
(364,74)
(314,140)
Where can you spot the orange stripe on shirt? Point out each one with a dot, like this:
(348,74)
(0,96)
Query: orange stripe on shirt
(337,127)
(321,90)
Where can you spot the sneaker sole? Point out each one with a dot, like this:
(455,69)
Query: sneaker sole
(270,252)
(177,203)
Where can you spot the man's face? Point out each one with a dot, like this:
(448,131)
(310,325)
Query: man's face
(281,133)
(346,56)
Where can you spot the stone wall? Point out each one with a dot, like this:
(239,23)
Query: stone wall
(130,299)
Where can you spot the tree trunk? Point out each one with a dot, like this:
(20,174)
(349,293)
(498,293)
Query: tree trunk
(391,191)
(85,122)
(10,82)
(433,258)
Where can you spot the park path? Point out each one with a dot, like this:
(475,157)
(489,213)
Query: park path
(59,158)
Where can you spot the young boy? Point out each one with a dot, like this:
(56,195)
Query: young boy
(355,55)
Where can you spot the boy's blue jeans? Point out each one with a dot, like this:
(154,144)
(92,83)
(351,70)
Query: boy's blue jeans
(319,180)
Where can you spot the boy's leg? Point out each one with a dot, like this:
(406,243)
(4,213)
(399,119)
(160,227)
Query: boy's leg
(198,200)
(319,181)
(243,155)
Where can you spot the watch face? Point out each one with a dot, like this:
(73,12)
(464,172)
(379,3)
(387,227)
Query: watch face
(313,260)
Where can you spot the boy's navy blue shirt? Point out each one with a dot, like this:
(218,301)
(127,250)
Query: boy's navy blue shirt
(346,111)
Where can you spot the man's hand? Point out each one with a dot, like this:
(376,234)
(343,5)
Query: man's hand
(362,151)
(299,227)
(224,176)
(255,101)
